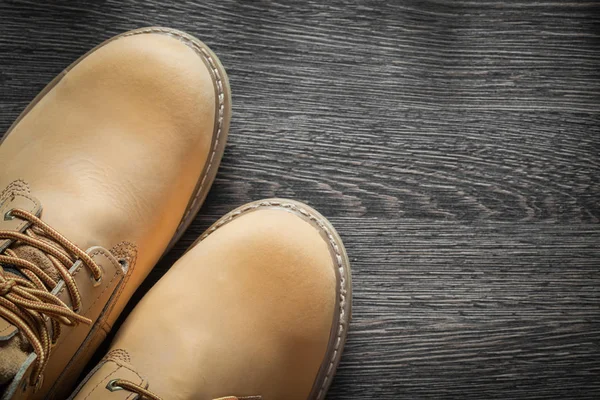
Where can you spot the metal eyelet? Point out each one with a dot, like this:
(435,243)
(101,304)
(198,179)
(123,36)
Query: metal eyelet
(96,282)
(112,386)
(124,263)
(8,216)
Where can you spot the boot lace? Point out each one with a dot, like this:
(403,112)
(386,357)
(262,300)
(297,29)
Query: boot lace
(28,302)
(143,393)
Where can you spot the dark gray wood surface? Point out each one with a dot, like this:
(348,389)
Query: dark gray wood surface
(455,146)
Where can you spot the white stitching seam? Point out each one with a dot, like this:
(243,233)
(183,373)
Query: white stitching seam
(338,259)
(203,53)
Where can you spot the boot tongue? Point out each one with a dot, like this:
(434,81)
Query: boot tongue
(36,257)
(13,353)
(14,349)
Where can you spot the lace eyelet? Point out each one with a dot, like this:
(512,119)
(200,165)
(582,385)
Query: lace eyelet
(8,216)
(96,282)
(112,386)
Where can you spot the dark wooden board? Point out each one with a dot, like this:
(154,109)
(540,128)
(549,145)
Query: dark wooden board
(455,146)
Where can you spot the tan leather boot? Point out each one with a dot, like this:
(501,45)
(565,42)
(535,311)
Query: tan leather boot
(258,307)
(119,151)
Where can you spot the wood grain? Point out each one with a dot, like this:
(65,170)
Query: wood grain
(455,146)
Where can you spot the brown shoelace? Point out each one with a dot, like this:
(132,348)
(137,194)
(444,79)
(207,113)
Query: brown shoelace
(122,384)
(26,303)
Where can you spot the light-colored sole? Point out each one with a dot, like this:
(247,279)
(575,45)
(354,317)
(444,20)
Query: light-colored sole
(339,328)
(222,115)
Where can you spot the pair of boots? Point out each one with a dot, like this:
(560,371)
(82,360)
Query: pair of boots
(120,151)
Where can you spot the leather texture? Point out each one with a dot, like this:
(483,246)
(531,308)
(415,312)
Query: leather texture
(115,365)
(114,152)
(96,295)
(248,310)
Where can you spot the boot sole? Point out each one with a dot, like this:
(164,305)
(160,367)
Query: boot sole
(342,318)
